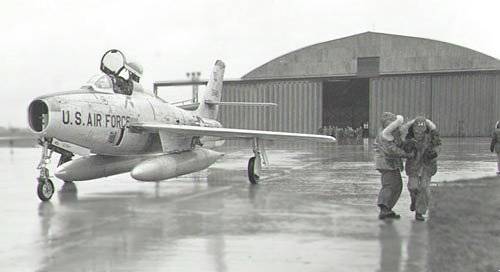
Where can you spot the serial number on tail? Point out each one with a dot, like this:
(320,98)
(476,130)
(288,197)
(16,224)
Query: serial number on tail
(94,119)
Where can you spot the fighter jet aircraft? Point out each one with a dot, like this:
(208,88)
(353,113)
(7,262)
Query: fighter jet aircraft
(117,127)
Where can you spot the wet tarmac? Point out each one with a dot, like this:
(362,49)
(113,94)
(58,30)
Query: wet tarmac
(314,210)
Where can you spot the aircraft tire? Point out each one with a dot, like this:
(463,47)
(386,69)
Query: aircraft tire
(45,189)
(252,177)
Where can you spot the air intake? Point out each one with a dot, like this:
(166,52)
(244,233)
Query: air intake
(38,115)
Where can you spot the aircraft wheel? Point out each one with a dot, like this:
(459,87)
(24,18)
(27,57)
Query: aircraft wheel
(254,179)
(45,189)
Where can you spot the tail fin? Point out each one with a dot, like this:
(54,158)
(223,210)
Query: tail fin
(208,107)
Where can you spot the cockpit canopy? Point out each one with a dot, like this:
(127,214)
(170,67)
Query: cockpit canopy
(100,82)
(124,76)
(104,83)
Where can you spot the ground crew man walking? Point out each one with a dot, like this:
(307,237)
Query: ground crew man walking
(388,161)
(422,139)
(495,144)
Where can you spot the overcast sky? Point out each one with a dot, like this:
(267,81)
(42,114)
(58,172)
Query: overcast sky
(49,46)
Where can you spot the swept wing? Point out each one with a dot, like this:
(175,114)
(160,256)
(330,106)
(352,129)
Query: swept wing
(230,133)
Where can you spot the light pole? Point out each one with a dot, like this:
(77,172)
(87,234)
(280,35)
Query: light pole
(194,76)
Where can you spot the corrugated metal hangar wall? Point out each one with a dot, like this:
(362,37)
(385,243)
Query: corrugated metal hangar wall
(462,104)
(299,105)
(352,80)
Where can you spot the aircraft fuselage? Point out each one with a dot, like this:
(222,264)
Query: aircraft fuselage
(98,120)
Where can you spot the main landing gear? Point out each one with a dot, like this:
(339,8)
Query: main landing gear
(45,188)
(255,162)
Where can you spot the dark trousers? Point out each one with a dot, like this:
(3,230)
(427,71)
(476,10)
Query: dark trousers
(392,185)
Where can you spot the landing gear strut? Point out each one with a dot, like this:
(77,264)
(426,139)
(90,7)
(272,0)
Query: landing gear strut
(253,172)
(255,162)
(45,188)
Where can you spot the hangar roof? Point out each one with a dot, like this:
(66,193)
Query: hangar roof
(398,55)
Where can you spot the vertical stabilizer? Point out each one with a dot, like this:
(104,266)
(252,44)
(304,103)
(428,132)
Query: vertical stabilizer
(213,92)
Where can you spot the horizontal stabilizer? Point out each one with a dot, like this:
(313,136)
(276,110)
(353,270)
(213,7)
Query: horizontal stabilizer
(246,104)
(17,138)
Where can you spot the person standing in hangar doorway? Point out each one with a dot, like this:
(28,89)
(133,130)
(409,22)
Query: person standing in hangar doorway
(422,139)
(365,135)
(495,144)
(388,161)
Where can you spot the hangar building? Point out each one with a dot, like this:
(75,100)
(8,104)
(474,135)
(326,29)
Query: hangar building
(352,80)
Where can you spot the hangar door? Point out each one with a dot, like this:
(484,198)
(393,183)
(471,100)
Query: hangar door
(346,102)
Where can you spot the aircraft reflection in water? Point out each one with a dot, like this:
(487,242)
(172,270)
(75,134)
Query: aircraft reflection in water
(102,232)
(117,127)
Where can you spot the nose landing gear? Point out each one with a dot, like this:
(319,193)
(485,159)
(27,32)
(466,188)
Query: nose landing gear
(45,188)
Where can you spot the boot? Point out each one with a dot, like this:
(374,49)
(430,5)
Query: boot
(419,217)
(413,197)
(393,215)
(384,212)
(412,206)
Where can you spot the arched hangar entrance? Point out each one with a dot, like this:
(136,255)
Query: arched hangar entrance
(346,102)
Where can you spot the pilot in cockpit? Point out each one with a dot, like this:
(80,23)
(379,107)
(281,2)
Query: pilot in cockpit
(135,74)
(128,79)
(125,76)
